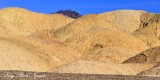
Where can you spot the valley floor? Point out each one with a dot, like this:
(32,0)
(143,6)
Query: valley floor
(20,75)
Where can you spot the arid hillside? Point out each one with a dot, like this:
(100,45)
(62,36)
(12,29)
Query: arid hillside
(123,42)
(17,21)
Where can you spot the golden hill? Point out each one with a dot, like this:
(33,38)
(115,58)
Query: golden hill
(100,38)
(124,20)
(95,38)
(29,53)
(150,33)
(17,21)
(14,57)
(32,41)
(26,35)
(81,24)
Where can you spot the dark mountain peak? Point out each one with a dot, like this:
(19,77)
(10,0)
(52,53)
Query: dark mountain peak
(69,13)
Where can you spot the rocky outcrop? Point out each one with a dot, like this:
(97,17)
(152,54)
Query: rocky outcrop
(69,13)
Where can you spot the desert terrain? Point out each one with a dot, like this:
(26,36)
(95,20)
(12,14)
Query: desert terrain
(118,45)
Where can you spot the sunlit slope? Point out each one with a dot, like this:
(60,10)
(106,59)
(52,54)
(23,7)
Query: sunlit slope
(34,53)
(26,42)
(150,33)
(15,57)
(82,24)
(124,20)
(94,43)
(18,21)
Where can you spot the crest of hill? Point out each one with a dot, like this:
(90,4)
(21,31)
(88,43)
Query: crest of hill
(100,38)
(150,33)
(18,21)
(92,67)
(81,24)
(149,56)
(124,20)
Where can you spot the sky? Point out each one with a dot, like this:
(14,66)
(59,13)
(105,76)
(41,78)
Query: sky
(83,6)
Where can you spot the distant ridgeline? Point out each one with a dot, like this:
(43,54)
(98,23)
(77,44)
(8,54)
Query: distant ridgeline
(69,13)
